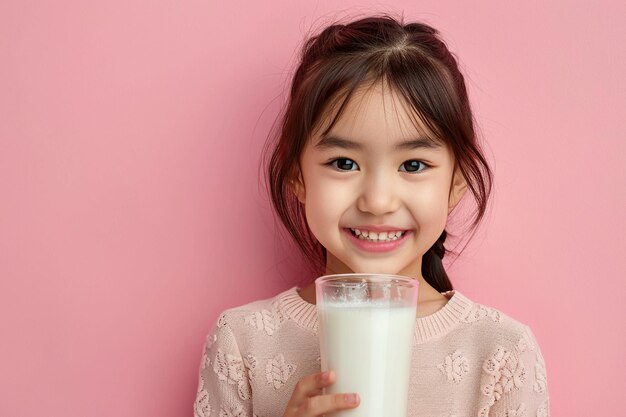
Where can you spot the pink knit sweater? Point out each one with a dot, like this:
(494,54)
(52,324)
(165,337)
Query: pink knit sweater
(468,360)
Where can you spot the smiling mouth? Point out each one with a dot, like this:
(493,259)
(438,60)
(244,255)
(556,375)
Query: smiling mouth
(388,237)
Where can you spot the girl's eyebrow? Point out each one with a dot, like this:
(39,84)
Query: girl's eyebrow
(330,142)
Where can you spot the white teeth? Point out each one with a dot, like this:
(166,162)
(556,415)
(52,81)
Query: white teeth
(377,236)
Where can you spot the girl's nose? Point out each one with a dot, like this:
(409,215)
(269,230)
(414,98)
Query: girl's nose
(378,197)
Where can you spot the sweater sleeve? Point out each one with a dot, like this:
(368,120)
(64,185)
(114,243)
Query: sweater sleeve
(517,380)
(223,385)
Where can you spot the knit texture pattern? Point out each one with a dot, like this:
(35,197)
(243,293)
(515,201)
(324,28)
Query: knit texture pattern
(467,360)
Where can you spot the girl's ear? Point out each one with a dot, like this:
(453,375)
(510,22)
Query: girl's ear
(297,186)
(457,189)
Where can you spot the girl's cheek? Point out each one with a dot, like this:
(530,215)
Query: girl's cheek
(334,192)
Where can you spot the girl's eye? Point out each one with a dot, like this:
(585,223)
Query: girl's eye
(342,164)
(413,164)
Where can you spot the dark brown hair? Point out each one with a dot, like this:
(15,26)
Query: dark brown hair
(415,62)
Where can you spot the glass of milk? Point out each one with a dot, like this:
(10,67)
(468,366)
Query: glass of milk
(366,325)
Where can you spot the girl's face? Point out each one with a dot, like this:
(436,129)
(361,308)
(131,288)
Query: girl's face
(374,182)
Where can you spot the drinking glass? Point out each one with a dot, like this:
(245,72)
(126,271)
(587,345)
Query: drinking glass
(366,328)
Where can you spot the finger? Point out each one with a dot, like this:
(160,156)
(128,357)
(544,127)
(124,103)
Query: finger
(323,404)
(309,386)
(313,385)
(321,381)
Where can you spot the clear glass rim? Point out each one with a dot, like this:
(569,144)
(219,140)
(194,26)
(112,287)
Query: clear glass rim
(336,280)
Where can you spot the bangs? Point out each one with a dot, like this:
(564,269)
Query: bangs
(336,105)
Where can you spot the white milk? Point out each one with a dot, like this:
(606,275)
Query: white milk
(369,349)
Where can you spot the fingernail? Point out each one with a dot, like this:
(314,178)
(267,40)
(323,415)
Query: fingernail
(326,376)
(351,399)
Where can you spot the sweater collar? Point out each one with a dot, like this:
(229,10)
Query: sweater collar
(429,327)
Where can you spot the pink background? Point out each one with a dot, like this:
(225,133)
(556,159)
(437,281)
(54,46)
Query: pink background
(132,212)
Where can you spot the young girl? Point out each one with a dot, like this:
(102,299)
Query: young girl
(376,147)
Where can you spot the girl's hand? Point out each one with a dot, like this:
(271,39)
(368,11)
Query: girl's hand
(307,401)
